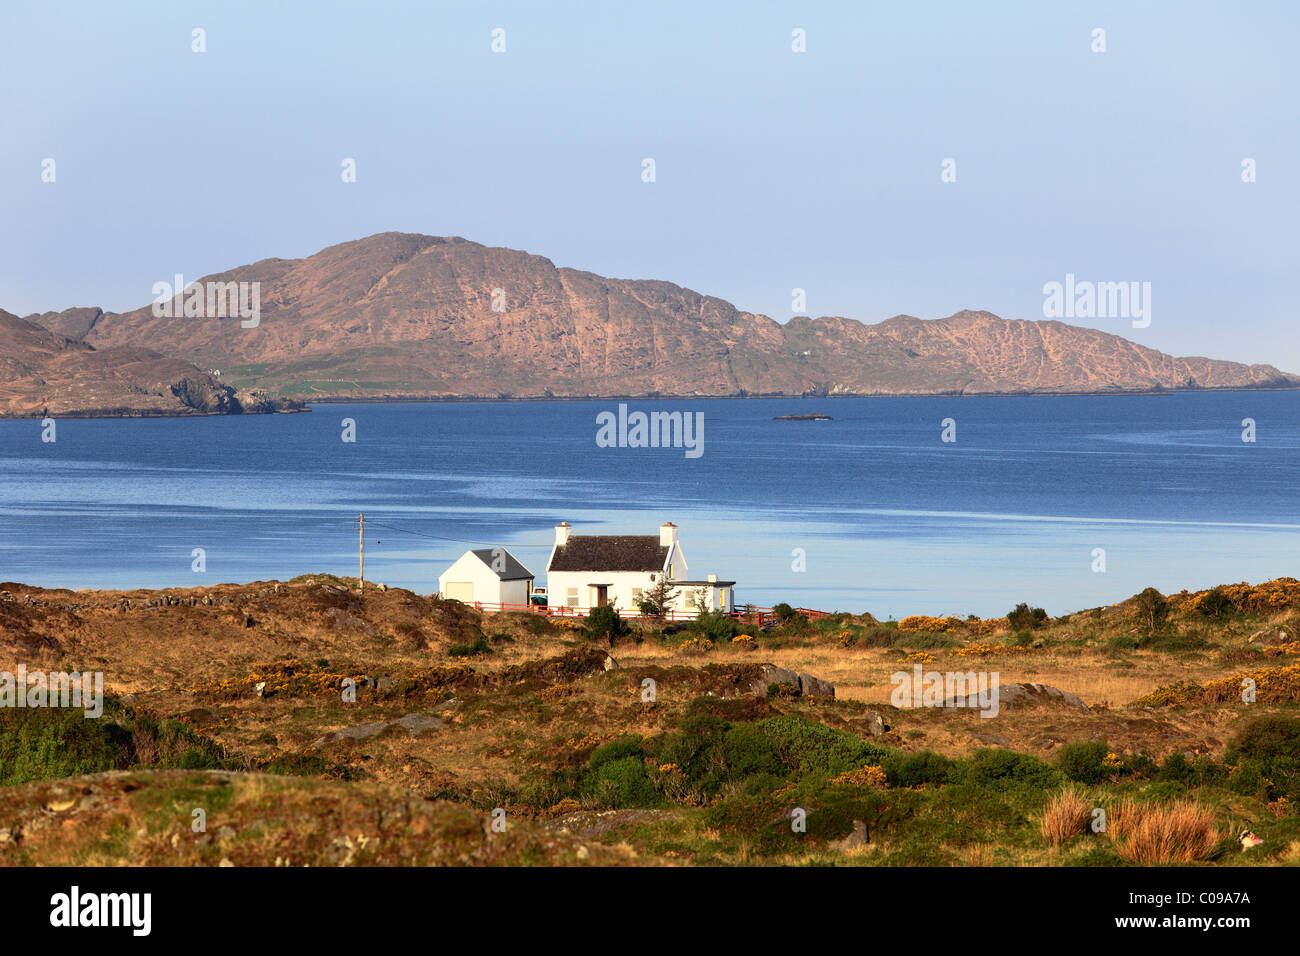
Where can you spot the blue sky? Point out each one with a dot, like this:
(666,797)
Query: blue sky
(774,169)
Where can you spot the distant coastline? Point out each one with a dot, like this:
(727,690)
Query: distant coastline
(818,396)
(295,406)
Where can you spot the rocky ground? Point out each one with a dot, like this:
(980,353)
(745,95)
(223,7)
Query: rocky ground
(316,723)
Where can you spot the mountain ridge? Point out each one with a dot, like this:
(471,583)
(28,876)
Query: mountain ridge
(410,316)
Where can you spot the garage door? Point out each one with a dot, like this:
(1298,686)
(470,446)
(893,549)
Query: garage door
(461,591)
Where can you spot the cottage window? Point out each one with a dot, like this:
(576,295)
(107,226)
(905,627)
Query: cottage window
(572,597)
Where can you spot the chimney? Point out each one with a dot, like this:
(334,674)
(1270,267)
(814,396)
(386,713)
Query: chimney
(713,579)
(667,535)
(562,532)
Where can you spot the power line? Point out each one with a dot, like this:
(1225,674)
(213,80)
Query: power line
(435,537)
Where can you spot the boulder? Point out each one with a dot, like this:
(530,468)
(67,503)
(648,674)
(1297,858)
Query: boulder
(787,681)
(1013,695)
(791,683)
(412,723)
(810,686)
(418,723)
(875,724)
(860,837)
(1275,634)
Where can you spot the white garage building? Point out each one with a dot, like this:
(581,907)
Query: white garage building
(487,576)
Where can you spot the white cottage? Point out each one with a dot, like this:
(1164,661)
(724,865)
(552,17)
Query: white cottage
(487,576)
(592,570)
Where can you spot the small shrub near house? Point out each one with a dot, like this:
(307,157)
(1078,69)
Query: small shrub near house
(784,612)
(604,624)
(718,627)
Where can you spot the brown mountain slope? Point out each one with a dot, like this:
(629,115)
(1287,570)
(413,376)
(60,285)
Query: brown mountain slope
(403,315)
(44,373)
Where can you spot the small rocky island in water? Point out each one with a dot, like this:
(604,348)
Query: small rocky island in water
(802,418)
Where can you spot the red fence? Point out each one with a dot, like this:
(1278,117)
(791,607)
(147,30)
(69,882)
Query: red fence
(754,615)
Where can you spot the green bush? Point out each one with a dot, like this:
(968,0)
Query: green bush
(1083,762)
(998,769)
(615,775)
(1176,769)
(914,770)
(628,745)
(923,640)
(716,626)
(747,750)
(48,743)
(470,650)
(1267,754)
(621,783)
(807,747)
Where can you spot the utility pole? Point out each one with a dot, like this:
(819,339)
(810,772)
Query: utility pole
(361,540)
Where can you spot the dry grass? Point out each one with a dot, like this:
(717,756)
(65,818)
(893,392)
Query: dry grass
(1183,831)
(979,854)
(1066,816)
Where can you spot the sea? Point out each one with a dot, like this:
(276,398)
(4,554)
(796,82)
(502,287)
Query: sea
(895,506)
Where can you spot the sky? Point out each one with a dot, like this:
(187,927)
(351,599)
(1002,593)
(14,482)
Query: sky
(774,170)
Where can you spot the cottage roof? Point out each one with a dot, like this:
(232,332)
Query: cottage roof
(610,552)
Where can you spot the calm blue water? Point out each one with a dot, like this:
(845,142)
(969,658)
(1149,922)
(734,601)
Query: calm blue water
(891,519)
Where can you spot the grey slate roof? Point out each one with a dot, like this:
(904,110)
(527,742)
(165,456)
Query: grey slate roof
(610,552)
(512,570)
